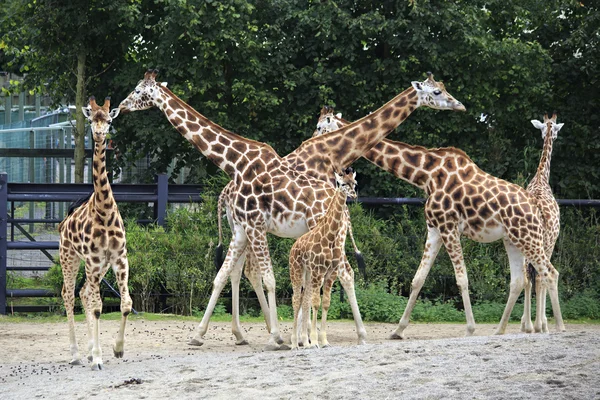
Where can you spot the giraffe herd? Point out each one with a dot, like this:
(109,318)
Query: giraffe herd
(302,196)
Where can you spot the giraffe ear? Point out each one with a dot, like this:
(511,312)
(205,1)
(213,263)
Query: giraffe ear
(558,127)
(87,111)
(537,124)
(339,115)
(163,84)
(417,85)
(114,113)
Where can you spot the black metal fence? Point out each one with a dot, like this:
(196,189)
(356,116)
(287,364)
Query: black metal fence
(158,194)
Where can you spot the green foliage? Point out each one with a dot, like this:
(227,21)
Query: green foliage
(177,261)
(582,305)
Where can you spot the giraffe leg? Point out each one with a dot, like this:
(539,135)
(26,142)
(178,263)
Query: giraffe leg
(297,296)
(541,293)
(517,281)
(347,281)
(236,328)
(549,281)
(236,249)
(95,305)
(257,239)
(328,285)
(70,267)
(121,270)
(526,325)
(252,271)
(432,247)
(305,306)
(314,303)
(452,243)
(85,295)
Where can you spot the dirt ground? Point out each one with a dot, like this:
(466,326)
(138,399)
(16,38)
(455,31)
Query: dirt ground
(435,362)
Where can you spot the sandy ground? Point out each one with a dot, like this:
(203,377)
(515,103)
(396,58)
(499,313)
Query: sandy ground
(435,362)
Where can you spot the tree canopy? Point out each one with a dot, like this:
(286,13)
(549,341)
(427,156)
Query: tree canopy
(263,69)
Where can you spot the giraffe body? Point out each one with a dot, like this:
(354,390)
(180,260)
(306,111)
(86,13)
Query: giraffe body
(464,200)
(317,255)
(94,232)
(540,189)
(269,194)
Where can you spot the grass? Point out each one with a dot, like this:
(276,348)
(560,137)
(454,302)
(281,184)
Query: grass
(114,316)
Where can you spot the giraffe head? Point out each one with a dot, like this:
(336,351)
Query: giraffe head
(146,94)
(100,118)
(548,126)
(346,182)
(434,95)
(328,121)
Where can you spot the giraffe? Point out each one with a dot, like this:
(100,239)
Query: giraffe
(315,256)
(313,159)
(539,187)
(94,232)
(463,200)
(271,195)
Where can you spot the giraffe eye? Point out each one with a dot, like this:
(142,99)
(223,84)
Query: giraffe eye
(437,92)
(137,91)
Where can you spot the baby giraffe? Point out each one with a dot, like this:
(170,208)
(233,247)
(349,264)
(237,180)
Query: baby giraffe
(94,232)
(318,256)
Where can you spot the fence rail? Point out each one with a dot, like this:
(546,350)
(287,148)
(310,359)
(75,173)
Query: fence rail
(160,194)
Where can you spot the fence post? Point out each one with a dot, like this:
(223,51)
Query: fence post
(3,238)
(163,194)
(31,205)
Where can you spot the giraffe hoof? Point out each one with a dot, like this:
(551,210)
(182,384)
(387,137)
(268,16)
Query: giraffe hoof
(276,347)
(118,354)
(97,367)
(395,336)
(279,340)
(195,342)
(75,361)
(527,328)
(242,342)
(90,358)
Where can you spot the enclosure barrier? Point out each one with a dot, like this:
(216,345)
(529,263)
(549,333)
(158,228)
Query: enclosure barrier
(160,194)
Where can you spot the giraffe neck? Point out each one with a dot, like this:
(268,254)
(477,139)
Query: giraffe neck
(419,166)
(349,143)
(103,196)
(543,172)
(225,149)
(334,214)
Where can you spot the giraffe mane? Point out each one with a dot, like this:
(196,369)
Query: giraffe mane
(208,122)
(354,124)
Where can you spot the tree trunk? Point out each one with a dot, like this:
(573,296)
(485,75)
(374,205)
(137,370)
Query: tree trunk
(80,119)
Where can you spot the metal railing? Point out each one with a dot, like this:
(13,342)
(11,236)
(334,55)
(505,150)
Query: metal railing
(159,194)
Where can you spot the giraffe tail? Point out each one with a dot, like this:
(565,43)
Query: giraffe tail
(360,260)
(362,266)
(218,256)
(219,249)
(531,274)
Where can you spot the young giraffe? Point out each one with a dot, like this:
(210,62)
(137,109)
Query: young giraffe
(315,256)
(464,200)
(313,159)
(94,232)
(270,194)
(539,187)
